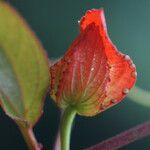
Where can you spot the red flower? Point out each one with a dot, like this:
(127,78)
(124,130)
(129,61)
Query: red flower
(93,75)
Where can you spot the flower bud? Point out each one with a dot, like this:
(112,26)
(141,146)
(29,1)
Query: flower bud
(93,75)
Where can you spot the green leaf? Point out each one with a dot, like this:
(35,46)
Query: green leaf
(24,73)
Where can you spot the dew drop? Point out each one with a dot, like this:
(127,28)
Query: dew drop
(134,74)
(125,91)
(132,65)
(114,101)
(89,11)
(126,57)
(78,21)
(92,69)
(83,18)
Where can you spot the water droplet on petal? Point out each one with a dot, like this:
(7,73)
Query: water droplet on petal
(125,91)
(89,11)
(134,74)
(114,101)
(92,69)
(126,57)
(132,65)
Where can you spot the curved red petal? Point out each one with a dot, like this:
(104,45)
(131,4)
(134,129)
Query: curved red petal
(122,70)
(81,76)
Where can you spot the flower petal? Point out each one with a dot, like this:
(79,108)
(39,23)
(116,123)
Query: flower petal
(80,78)
(122,70)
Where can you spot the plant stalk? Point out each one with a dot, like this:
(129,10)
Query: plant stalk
(124,138)
(29,138)
(66,126)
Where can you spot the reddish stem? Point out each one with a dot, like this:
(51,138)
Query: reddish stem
(124,138)
(29,138)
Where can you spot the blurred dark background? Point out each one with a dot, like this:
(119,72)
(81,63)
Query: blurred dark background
(55,23)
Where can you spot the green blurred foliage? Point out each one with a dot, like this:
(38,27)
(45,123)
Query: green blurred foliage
(24,69)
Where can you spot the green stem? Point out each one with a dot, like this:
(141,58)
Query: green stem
(29,137)
(66,126)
